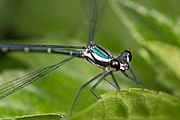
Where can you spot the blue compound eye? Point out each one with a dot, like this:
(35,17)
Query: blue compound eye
(115,64)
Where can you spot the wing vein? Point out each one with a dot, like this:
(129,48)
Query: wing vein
(16,84)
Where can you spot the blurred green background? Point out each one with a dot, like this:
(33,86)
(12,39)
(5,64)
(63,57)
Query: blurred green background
(149,29)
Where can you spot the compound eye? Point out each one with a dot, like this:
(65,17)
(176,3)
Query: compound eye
(115,64)
(126,56)
(129,55)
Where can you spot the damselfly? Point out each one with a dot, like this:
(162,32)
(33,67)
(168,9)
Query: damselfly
(91,52)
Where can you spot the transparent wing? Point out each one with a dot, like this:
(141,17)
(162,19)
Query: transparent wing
(93,10)
(16,84)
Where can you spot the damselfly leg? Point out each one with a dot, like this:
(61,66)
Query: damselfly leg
(115,84)
(102,75)
(97,83)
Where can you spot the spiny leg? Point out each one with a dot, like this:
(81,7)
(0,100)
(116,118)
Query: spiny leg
(81,88)
(97,83)
(94,86)
(133,79)
(139,83)
(104,78)
(109,82)
(115,81)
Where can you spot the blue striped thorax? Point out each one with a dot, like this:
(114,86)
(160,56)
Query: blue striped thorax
(101,58)
(97,56)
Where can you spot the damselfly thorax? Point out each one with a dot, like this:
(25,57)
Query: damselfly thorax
(98,56)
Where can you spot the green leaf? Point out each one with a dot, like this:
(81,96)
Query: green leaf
(124,105)
(133,104)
